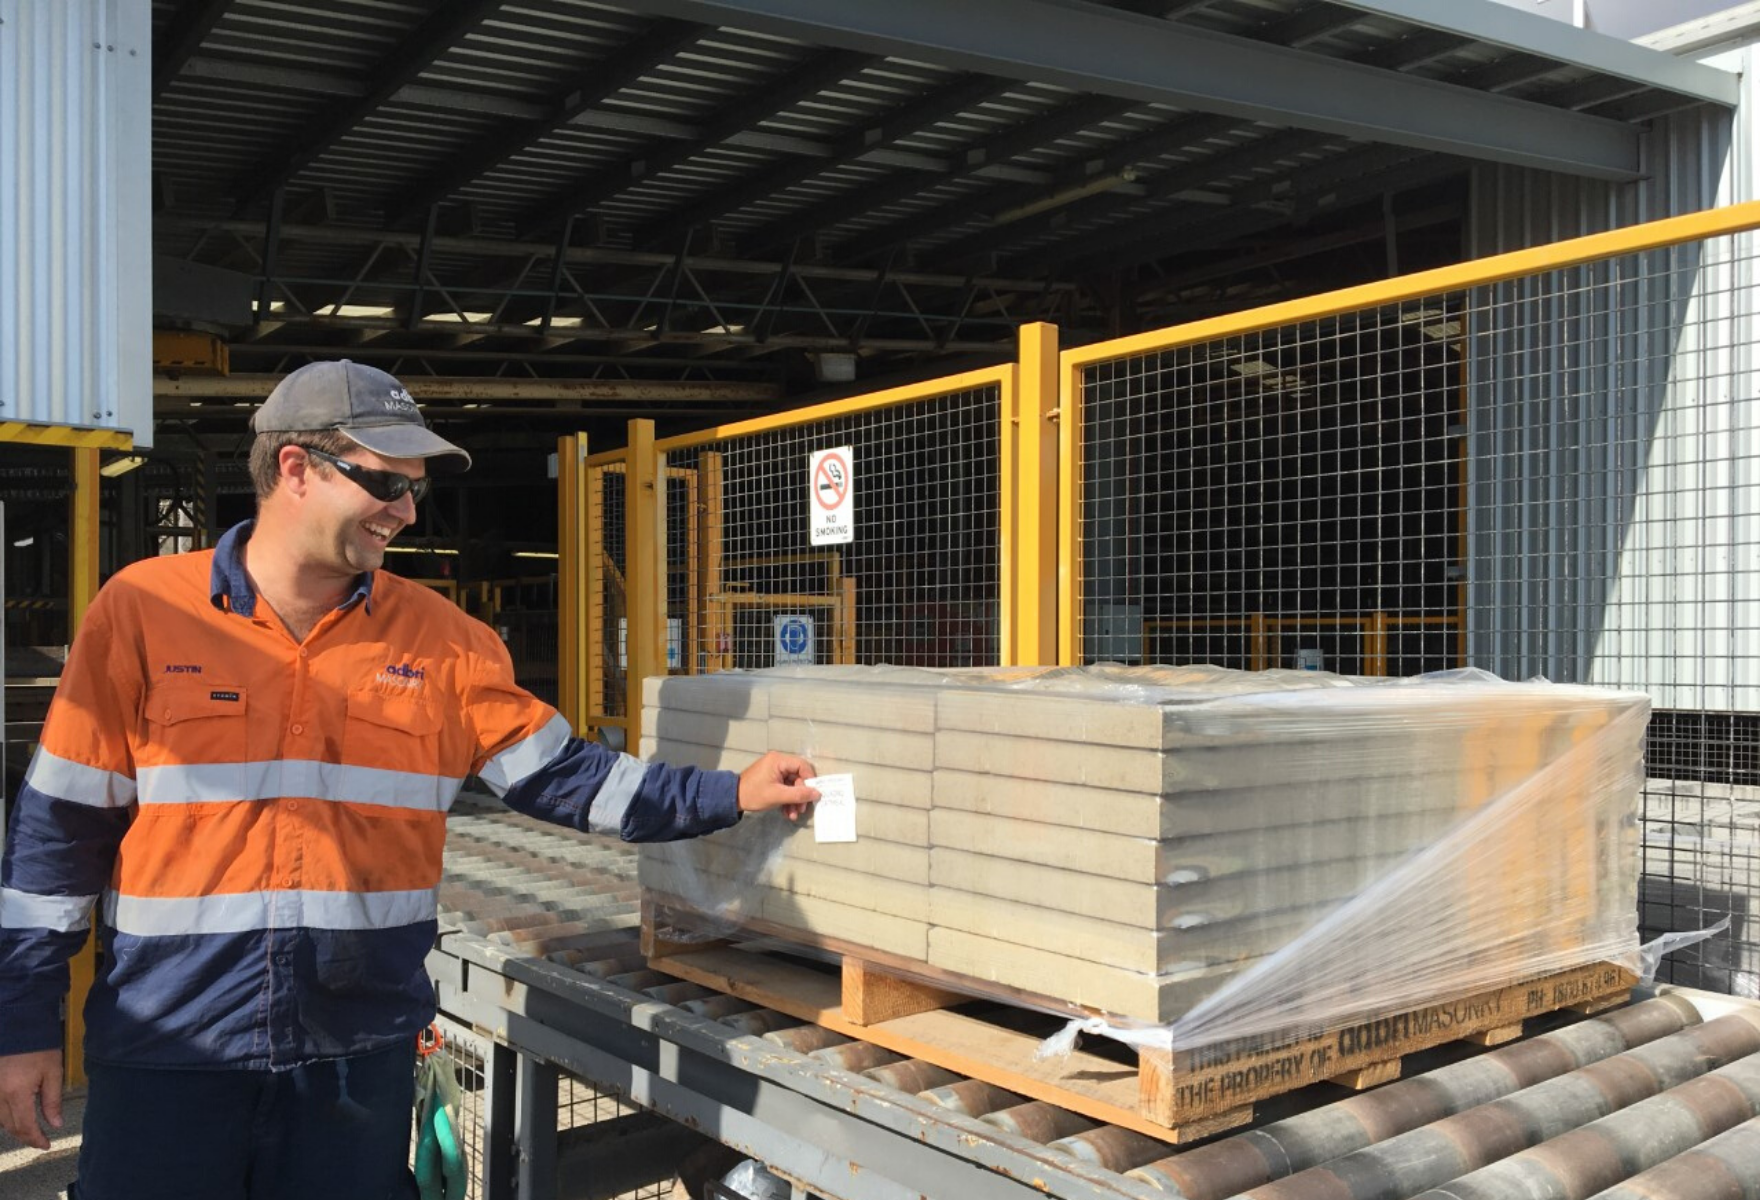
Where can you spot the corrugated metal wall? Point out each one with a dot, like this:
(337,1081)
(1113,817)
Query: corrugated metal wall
(76,319)
(1601,431)
(1614,510)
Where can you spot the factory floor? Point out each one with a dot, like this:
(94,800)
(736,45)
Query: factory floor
(29,1174)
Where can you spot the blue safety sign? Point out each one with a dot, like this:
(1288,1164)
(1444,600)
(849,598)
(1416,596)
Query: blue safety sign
(793,639)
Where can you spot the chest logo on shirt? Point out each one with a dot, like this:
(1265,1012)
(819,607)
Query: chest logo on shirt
(403,675)
(182,669)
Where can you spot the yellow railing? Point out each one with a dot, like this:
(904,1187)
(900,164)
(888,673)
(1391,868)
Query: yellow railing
(1075,363)
(1039,608)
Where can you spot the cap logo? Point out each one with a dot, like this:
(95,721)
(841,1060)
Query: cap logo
(399,400)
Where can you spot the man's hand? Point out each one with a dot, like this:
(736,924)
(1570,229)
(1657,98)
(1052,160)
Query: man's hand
(24,1077)
(774,781)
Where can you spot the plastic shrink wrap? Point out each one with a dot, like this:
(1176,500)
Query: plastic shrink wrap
(1223,853)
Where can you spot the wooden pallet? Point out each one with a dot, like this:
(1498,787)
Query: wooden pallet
(1178,1097)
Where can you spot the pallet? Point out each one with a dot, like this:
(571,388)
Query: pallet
(1177,1097)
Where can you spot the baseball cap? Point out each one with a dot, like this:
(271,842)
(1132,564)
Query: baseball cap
(361,402)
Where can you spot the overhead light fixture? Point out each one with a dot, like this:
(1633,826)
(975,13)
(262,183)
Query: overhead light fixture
(26,541)
(122,466)
(536,554)
(1102,183)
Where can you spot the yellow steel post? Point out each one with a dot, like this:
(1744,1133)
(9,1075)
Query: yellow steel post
(1261,642)
(593,550)
(644,571)
(82,589)
(1376,659)
(1069,540)
(691,631)
(1009,578)
(846,622)
(571,606)
(717,634)
(1035,585)
(82,546)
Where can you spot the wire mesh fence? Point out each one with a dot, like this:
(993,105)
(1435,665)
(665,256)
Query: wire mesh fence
(607,591)
(580,1106)
(917,581)
(1552,475)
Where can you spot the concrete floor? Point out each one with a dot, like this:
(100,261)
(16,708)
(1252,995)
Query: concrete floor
(27,1174)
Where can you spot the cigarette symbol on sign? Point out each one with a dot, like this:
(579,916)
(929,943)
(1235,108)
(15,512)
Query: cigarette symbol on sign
(832,482)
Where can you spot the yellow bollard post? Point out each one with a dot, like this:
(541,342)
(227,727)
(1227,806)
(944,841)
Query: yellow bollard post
(82,588)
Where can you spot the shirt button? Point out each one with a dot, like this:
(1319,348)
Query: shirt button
(293,806)
(298,729)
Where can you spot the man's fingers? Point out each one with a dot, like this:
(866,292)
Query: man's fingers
(52,1099)
(22,1123)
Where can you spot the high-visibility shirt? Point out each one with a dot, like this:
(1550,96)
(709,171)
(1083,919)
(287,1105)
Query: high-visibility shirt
(263,819)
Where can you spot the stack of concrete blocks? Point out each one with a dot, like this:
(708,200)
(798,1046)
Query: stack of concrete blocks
(1128,840)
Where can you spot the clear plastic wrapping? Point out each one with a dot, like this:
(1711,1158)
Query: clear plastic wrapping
(1220,853)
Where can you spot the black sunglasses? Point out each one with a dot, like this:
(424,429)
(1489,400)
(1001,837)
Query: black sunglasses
(384,486)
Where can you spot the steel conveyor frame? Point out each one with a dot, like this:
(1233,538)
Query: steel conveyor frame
(830,1132)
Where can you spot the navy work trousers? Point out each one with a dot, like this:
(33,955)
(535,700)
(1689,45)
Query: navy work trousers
(336,1130)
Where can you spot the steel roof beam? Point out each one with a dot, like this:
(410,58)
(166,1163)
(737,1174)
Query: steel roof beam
(819,72)
(1238,265)
(887,129)
(618,69)
(497,248)
(1073,117)
(1530,33)
(1175,135)
(182,37)
(1092,48)
(998,149)
(431,39)
(1166,186)
(1333,185)
(487,388)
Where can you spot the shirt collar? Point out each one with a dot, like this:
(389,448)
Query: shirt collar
(230,587)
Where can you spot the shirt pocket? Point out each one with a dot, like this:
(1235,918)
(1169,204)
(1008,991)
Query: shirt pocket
(197,743)
(394,733)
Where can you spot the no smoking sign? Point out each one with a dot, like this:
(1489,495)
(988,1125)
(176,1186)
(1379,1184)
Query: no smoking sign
(831,496)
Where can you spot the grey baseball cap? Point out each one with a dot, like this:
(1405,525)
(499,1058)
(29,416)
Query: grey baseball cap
(361,402)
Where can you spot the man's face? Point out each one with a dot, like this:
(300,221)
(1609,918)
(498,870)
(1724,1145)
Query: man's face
(348,528)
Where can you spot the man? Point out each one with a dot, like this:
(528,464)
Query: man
(250,758)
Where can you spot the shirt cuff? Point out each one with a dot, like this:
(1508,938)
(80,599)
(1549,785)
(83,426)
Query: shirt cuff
(718,799)
(31,1031)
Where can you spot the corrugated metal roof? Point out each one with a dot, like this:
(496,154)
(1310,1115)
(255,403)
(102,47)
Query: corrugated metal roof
(758,146)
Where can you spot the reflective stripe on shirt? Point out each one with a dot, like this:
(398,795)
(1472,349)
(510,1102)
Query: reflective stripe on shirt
(62,914)
(63,779)
(526,756)
(302,778)
(615,795)
(247,911)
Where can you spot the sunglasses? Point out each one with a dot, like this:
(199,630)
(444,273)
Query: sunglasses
(384,486)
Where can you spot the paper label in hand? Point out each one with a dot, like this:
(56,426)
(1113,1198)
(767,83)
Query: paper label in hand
(834,817)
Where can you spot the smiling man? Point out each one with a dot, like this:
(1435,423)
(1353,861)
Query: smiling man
(249,762)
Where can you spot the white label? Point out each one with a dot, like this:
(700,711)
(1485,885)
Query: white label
(834,817)
(831,496)
(792,639)
(674,643)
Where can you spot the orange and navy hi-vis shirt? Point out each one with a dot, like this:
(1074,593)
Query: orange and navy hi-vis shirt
(263,819)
